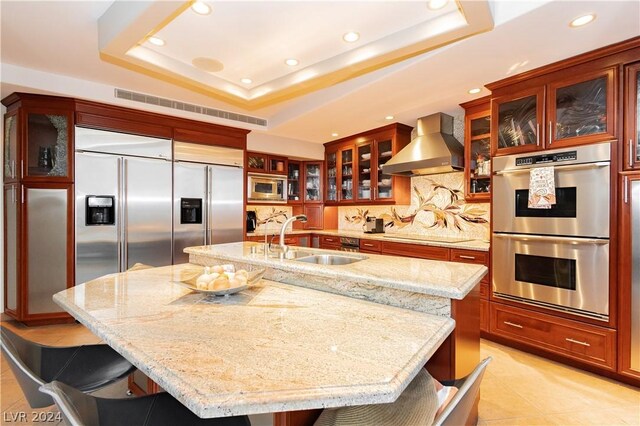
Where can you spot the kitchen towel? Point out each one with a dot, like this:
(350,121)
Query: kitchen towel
(542,188)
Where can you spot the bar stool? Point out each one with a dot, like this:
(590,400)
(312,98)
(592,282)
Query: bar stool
(159,409)
(86,368)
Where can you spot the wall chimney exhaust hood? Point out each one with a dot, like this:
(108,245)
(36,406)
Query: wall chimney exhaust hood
(434,150)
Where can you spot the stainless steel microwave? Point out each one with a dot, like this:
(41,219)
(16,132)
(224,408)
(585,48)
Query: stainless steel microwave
(266,188)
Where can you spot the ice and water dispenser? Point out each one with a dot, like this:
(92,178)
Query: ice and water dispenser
(190,210)
(100,210)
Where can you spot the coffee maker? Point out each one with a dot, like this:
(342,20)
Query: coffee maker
(252,221)
(373,225)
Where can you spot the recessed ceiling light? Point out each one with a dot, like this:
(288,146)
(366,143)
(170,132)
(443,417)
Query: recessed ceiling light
(437,4)
(351,36)
(335,135)
(157,41)
(291,62)
(582,20)
(389,117)
(201,8)
(246,80)
(475,90)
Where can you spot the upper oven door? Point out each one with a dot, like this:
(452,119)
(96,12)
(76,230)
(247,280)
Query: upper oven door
(581,209)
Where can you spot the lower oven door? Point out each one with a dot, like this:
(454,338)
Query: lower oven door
(565,273)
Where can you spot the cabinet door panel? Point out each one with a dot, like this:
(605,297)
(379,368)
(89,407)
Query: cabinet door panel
(580,109)
(10,148)
(332,177)
(632,117)
(346,175)
(47,246)
(516,122)
(634,202)
(293,182)
(312,182)
(11,215)
(365,173)
(48,145)
(384,182)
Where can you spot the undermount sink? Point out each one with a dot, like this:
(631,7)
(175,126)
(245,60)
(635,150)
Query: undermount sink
(330,259)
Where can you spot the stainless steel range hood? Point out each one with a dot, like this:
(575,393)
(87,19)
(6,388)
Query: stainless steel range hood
(433,150)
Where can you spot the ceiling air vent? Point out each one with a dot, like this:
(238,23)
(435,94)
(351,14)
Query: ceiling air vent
(183,106)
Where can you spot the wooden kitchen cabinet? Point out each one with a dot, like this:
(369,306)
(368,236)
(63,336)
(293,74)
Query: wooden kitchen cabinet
(313,181)
(632,117)
(370,246)
(315,217)
(629,277)
(293,182)
(258,162)
(575,340)
(38,201)
(574,106)
(477,150)
(354,167)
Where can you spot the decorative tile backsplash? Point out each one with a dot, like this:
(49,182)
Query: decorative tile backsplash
(270,218)
(437,209)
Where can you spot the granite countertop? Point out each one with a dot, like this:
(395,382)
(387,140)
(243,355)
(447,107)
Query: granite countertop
(436,278)
(480,245)
(273,347)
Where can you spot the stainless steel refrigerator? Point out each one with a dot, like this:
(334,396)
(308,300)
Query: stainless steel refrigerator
(123,193)
(208,194)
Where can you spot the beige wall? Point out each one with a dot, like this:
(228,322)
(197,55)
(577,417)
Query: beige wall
(261,142)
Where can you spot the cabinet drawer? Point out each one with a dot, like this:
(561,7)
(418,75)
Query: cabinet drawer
(327,240)
(290,240)
(470,256)
(484,315)
(588,343)
(415,250)
(371,245)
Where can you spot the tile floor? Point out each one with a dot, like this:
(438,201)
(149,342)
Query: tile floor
(518,388)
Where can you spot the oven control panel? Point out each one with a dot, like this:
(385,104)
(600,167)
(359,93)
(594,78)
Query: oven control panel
(547,158)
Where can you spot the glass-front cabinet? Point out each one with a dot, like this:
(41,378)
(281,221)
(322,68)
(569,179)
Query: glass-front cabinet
(257,162)
(46,148)
(384,182)
(346,174)
(10,148)
(293,182)
(632,117)
(578,110)
(358,159)
(331,159)
(517,121)
(365,175)
(313,182)
(477,147)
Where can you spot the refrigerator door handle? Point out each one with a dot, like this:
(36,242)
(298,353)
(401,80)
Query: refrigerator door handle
(119,216)
(123,198)
(207,226)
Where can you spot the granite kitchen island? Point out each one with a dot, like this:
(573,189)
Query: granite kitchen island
(274,347)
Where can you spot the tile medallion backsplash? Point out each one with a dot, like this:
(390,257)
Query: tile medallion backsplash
(437,209)
(270,218)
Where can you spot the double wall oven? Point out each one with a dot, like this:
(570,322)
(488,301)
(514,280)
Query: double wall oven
(558,257)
